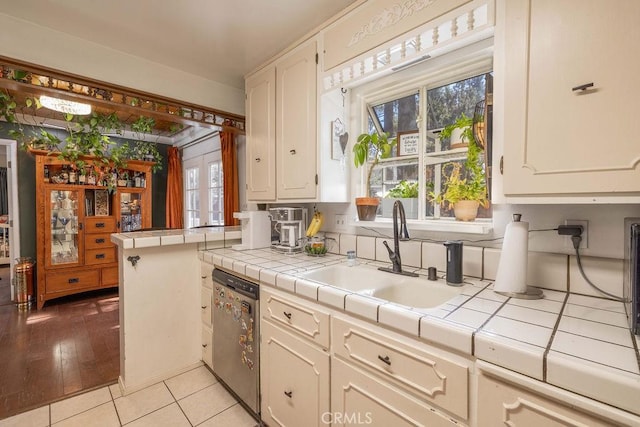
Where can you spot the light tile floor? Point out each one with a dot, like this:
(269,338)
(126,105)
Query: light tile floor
(194,398)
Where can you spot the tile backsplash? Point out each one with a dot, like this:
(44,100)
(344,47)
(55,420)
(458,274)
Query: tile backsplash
(545,270)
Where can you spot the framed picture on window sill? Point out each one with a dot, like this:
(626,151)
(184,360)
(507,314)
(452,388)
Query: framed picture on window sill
(408,143)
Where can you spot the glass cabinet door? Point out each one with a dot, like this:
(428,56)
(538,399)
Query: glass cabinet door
(64,244)
(131,207)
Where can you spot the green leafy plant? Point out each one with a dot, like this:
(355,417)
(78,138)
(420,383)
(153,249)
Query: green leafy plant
(465,124)
(379,146)
(404,190)
(468,183)
(145,150)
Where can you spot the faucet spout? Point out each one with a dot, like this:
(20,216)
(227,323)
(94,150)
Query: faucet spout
(399,233)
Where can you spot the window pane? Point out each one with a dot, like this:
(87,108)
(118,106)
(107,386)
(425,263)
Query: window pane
(446,103)
(192,178)
(398,115)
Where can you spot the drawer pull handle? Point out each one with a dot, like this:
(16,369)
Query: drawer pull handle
(100,256)
(99,224)
(287,315)
(73,280)
(385,359)
(582,87)
(288,394)
(99,240)
(203,307)
(292,152)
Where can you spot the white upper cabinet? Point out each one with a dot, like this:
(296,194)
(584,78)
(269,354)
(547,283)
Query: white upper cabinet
(570,72)
(296,107)
(261,135)
(281,108)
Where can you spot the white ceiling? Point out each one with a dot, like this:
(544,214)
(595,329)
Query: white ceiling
(220,40)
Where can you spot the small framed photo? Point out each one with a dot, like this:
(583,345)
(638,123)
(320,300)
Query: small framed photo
(408,143)
(102,203)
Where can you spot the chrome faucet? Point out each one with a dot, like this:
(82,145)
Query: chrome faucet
(399,233)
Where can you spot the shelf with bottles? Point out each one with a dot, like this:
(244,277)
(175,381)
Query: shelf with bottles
(64,230)
(94,175)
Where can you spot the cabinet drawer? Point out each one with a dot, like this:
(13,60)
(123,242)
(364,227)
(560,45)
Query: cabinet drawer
(207,346)
(65,281)
(369,401)
(100,224)
(426,375)
(205,305)
(304,320)
(110,276)
(99,256)
(96,241)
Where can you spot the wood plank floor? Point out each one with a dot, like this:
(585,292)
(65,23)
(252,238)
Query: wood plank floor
(71,345)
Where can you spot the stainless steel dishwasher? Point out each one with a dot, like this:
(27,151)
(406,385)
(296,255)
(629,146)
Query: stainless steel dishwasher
(236,353)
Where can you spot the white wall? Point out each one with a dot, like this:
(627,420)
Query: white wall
(33,43)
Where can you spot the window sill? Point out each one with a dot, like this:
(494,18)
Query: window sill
(484,226)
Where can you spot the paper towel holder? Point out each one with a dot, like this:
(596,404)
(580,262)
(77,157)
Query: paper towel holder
(529,292)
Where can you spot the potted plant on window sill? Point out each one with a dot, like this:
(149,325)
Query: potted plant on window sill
(464,190)
(407,193)
(379,146)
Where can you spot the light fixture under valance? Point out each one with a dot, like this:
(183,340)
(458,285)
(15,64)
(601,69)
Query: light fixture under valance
(64,106)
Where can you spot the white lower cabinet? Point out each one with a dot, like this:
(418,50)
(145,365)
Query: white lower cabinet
(358,398)
(294,379)
(206,301)
(502,403)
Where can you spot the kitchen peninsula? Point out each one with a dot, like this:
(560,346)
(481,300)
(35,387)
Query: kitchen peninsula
(534,354)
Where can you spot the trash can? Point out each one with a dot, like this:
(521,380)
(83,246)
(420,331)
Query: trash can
(24,282)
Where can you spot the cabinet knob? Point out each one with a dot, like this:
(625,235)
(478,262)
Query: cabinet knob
(258,159)
(582,87)
(203,307)
(292,152)
(204,345)
(287,315)
(385,359)
(288,394)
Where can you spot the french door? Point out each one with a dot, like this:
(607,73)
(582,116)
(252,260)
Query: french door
(203,190)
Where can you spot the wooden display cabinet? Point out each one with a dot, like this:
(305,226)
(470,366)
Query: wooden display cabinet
(75,218)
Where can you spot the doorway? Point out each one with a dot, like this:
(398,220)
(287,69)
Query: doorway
(9,218)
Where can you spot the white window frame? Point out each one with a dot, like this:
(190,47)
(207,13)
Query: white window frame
(201,163)
(459,65)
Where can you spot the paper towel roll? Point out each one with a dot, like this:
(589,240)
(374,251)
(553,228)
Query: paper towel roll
(512,267)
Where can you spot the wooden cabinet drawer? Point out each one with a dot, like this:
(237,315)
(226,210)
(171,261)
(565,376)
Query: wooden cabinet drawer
(69,280)
(110,276)
(304,320)
(97,241)
(100,224)
(430,377)
(99,256)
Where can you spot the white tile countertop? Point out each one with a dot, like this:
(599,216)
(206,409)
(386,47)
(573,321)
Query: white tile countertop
(579,343)
(216,236)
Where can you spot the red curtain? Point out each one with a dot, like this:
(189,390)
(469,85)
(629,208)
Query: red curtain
(174,205)
(230,170)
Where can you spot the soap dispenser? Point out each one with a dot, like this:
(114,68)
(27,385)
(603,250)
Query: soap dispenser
(454,262)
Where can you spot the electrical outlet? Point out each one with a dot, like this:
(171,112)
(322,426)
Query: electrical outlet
(340,222)
(584,244)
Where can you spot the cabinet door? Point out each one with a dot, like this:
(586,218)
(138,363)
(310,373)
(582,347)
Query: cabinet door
(294,379)
(296,123)
(261,135)
(63,239)
(359,399)
(559,139)
(504,404)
